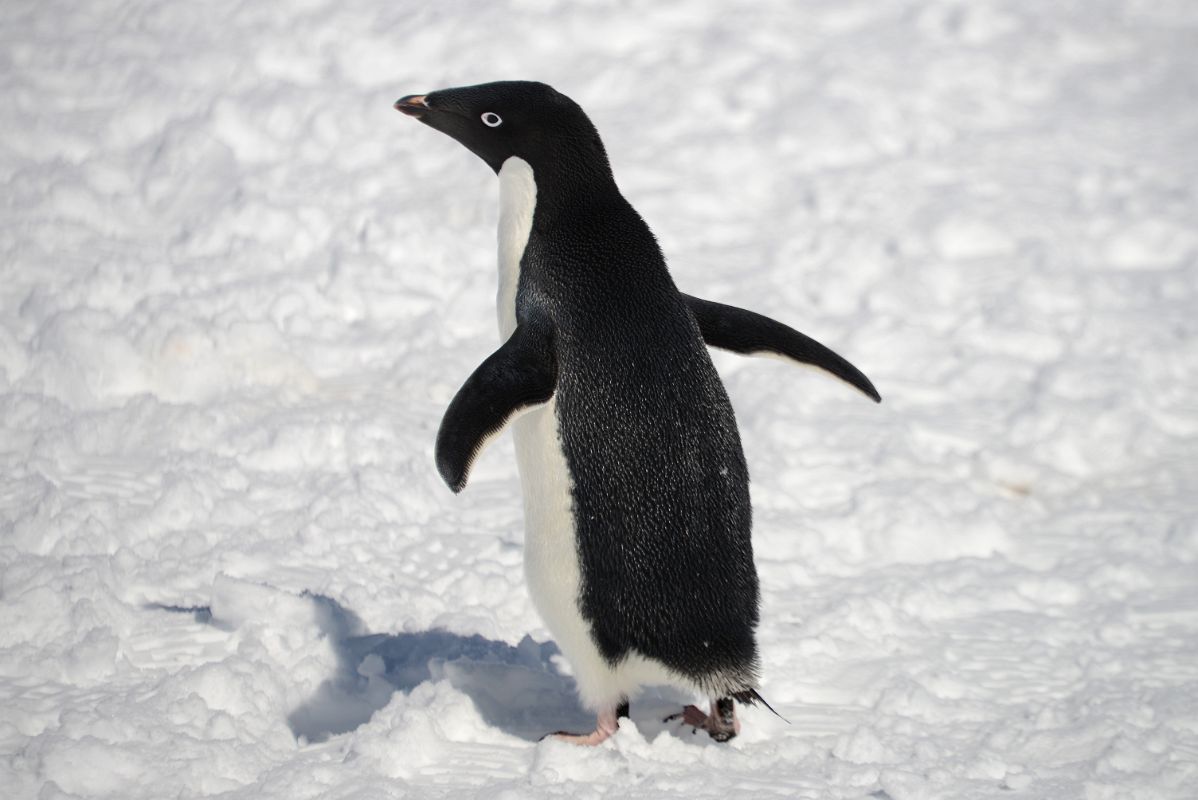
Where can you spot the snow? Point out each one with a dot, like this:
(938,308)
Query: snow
(239,290)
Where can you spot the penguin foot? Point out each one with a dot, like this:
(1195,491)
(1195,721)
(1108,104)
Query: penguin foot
(721,725)
(605,725)
(595,737)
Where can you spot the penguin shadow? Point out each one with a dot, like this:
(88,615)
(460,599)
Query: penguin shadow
(516,689)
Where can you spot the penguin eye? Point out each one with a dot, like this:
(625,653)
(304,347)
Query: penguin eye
(491,119)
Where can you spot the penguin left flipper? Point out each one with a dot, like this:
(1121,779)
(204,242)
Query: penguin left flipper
(746,332)
(520,375)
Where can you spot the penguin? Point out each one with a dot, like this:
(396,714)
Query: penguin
(637,551)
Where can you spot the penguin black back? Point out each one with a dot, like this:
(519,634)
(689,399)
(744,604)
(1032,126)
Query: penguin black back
(660,486)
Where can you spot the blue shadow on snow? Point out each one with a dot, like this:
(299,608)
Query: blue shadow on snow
(516,689)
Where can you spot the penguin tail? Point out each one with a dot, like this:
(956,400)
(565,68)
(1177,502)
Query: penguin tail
(750,697)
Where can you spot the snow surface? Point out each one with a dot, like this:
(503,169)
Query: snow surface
(239,290)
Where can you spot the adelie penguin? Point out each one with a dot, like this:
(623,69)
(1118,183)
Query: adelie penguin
(637,549)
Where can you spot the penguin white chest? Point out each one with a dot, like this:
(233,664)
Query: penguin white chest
(517,202)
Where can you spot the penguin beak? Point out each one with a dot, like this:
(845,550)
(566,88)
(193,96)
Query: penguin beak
(414,105)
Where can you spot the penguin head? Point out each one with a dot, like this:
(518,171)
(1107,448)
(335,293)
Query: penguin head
(529,120)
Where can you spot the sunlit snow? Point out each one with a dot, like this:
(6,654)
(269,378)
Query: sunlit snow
(238,291)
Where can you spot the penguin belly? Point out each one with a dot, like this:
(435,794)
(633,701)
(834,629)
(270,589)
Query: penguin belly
(551,562)
(553,571)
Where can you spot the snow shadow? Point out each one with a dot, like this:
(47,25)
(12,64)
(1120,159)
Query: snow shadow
(515,689)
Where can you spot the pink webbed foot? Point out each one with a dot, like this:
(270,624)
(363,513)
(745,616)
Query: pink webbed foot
(721,725)
(595,737)
(607,723)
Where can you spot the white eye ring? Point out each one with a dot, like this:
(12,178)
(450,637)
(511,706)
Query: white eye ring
(491,119)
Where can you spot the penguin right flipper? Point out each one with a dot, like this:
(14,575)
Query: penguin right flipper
(520,375)
(740,331)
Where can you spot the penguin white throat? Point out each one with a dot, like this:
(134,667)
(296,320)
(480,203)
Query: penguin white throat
(517,202)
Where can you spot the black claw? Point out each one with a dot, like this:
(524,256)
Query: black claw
(724,712)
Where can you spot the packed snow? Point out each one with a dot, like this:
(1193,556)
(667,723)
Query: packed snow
(239,290)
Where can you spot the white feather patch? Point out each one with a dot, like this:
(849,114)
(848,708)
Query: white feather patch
(517,202)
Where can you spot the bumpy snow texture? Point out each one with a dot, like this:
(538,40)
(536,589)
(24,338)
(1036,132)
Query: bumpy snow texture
(239,289)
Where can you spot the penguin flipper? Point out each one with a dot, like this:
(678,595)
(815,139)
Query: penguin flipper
(740,331)
(519,376)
